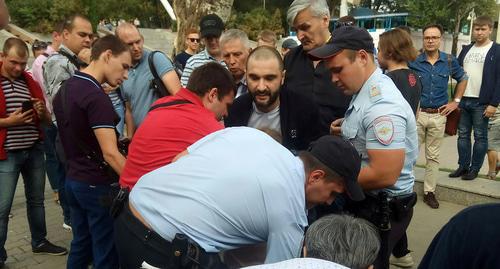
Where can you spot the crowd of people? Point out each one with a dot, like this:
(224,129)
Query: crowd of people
(235,156)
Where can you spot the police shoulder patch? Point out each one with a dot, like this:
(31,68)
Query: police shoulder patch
(384,130)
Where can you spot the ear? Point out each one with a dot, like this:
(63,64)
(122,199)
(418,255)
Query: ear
(212,95)
(315,176)
(325,20)
(283,77)
(65,34)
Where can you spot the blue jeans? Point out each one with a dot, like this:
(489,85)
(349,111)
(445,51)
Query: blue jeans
(55,168)
(92,226)
(120,110)
(31,164)
(472,117)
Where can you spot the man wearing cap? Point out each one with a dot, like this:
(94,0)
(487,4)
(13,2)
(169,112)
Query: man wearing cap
(217,204)
(211,27)
(381,125)
(310,19)
(287,45)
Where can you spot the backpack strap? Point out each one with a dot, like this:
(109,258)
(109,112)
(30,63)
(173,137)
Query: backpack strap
(167,104)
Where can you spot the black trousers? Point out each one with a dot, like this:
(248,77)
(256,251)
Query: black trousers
(137,244)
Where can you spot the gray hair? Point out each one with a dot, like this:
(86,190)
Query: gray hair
(318,8)
(234,34)
(352,242)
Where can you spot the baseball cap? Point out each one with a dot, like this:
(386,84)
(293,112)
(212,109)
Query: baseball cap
(340,155)
(289,44)
(211,25)
(346,37)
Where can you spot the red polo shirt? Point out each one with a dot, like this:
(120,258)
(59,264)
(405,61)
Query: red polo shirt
(164,133)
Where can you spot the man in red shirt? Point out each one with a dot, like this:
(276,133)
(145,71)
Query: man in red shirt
(175,122)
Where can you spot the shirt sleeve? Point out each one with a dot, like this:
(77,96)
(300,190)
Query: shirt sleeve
(385,132)
(162,64)
(457,72)
(100,112)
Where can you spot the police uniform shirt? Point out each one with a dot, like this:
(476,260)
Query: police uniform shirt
(236,187)
(379,117)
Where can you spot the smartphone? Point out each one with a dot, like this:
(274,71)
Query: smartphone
(27,105)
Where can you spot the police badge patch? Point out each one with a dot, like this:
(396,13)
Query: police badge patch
(384,130)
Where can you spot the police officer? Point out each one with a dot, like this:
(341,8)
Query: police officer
(381,125)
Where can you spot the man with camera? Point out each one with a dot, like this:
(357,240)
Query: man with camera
(22,111)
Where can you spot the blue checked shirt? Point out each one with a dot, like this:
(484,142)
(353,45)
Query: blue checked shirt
(435,78)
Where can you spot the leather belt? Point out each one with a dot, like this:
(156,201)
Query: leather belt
(430,110)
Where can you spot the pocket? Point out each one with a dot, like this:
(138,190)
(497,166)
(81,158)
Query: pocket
(349,132)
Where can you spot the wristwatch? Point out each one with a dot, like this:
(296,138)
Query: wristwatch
(457,100)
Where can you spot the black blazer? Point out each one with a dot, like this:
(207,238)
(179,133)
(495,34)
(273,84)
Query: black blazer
(299,117)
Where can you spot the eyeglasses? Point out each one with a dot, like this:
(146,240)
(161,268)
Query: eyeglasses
(39,45)
(343,23)
(197,40)
(433,38)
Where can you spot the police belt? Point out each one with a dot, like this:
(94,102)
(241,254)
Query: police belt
(184,252)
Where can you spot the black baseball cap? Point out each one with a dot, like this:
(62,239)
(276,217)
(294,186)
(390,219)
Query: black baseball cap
(346,37)
(340,155)
(211,25)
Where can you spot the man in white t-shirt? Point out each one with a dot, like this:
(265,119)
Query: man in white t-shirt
(481,61)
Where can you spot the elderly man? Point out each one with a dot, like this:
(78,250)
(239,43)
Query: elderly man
(335,241)
(381,125)
(219,204)
(310,19)
(235,48)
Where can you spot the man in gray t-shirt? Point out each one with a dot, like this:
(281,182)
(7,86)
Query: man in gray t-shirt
(136,90)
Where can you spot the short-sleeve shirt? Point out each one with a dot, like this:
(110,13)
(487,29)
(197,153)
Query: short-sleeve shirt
(196,61)
(182,58)
(89,108)
(165,133)
(224,204)
(408,83)
(379,117)
(435,78)
(136,89)
(300,263)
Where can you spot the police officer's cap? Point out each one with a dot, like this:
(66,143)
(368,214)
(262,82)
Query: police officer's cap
(347,37)
(340,156)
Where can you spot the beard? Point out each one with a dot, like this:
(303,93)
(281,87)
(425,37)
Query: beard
(264,106)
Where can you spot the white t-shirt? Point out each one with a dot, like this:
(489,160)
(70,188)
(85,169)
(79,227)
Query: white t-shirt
(300,263)
(473,65)
(270,120)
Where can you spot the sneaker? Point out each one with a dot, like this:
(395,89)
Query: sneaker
(459,172)
(430,200)
(405,261)
(49,249)
(471,175)
(67,227)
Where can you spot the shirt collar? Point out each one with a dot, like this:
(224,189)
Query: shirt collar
(360,97)
(67,50)
(85,76)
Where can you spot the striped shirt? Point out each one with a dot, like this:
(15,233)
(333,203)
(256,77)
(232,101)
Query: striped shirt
(195,61)
(115,98)
(21,136)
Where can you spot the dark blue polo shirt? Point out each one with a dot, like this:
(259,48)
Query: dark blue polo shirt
(88,108)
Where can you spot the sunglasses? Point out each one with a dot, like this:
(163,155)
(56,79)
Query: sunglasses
(197,40)
(343,23)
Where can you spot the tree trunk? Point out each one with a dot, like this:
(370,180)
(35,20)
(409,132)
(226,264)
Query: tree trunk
(456,33)
(189,13)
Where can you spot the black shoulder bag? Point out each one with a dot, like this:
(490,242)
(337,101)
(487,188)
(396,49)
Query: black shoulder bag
(156,84)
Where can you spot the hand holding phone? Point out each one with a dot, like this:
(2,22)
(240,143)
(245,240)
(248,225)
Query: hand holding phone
(27,105)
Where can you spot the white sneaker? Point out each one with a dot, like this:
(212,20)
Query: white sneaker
(405,261)
(66,227)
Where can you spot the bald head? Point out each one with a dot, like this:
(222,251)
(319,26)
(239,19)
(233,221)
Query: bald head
(129,34)
(266,53)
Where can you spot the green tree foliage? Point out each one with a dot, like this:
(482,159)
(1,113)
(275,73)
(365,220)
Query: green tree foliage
(256,20)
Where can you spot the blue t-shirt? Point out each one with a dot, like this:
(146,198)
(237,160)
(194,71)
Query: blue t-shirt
(223,204)
(136,89)
(88,108)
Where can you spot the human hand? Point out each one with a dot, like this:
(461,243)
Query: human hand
(335,126)
(445,110)
(20,118)
(490,111)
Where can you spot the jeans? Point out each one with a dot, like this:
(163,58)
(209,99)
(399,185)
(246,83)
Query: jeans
(30,163)
(120,110)
(92,226)
(55,168)
(472,118)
